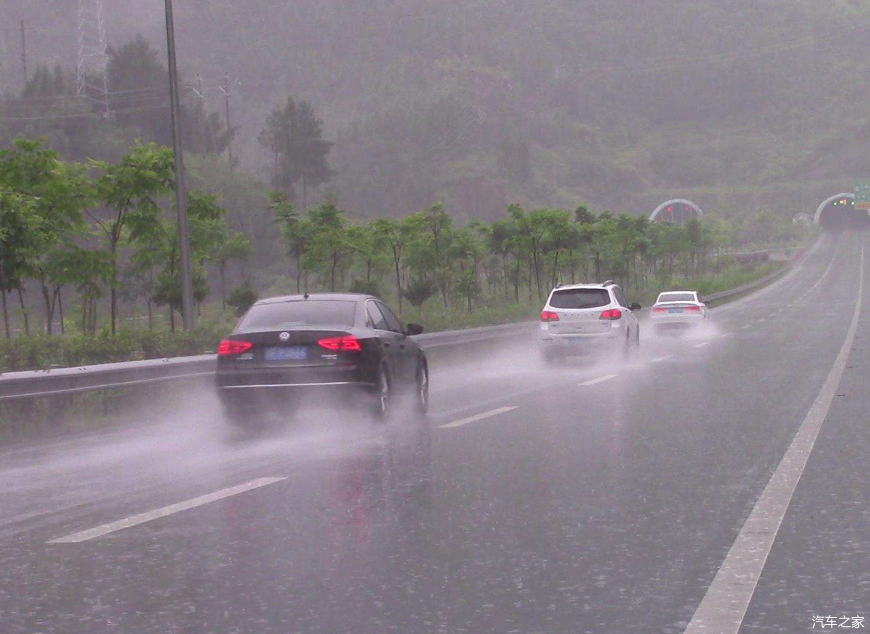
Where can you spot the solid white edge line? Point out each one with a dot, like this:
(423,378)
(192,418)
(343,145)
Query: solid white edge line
(702,344)
(600,379)
(724,605)
(142,518)
(477,417)
(660,359)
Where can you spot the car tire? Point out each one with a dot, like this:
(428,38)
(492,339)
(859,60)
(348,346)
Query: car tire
(626,347)
(422,396)
(383,395)
(553,359)
(637,338)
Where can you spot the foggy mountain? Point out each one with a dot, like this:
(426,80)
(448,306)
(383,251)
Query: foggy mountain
(479,103)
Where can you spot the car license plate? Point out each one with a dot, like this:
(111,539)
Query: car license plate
(290,353)
(675,310)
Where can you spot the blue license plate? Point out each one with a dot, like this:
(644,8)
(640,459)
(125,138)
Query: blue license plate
(289,353)
(675,310)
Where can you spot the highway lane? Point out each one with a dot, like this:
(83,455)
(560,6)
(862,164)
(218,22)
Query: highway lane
(579,499)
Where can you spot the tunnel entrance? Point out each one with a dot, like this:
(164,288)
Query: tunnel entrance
(676,210)
(838,213)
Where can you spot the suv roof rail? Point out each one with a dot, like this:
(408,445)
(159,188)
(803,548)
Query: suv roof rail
(608,283)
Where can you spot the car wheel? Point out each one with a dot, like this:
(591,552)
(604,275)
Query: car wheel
(383,395)
(423,389)
(637,338)
(553,358)
(626,348)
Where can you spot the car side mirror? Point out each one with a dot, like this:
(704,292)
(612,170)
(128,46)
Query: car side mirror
(414,329)
(635,306)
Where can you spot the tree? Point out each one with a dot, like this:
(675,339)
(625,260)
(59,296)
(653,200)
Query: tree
(294,135)
(139,92)
(59,192)
(18,222)
(398,235)
(232,246)
(130,189)
(329,242)
(243,297)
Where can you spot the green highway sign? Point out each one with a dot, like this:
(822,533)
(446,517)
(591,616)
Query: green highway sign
(862,197)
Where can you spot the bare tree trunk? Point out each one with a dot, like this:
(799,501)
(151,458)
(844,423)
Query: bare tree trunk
(171,319)
(24,311)
(5,313)
(223,266)
(49,306)
(59,298)
(398,278)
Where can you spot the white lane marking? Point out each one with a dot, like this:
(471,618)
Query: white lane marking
(660,359)
(477,417)
(746,326)
(701,345)
(724,605)
(760,321)
(135,520)
(600,379)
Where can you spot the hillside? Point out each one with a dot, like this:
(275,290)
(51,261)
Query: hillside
(481,103)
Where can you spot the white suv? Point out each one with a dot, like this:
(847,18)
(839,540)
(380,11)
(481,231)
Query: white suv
(580,317)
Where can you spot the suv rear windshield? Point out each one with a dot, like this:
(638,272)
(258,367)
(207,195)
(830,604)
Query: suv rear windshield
(676,297)
(300,313)
(580,298)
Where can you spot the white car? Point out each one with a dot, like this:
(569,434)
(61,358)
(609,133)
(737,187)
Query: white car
(679,311)
(581,317)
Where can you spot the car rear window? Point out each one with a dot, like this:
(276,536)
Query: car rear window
(676,297)
(580,298)
(301,313)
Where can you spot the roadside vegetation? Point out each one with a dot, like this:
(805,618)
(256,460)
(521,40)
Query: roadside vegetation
(89,258)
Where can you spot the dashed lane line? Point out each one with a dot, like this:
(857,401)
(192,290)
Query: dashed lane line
(478,417)
(600,379)
(142,518)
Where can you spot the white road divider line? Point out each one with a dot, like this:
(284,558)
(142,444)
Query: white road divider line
(746,326)
(142,518)
(760,321)
(660,359)
(477,417)
(600,379)
(724,605)
(702,344)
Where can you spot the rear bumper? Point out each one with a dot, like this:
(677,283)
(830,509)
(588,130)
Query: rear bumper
(243,401)
(577,344)
(677,324)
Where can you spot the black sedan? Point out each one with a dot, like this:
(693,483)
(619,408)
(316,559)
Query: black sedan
(295,349)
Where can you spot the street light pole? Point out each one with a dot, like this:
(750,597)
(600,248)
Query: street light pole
(180,193)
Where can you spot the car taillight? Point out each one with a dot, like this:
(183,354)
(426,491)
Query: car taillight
(611,315)
(693,309)
(549,315)
(345,344)
(230,347)
(660,309)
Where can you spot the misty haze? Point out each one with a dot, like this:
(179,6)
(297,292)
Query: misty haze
(434,316)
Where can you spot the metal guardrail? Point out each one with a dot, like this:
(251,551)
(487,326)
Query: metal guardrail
(62,381)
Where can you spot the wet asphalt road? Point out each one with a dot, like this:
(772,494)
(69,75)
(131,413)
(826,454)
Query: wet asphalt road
(590,498)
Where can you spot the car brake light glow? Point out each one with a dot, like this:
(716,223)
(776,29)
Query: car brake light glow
(549,315)
(660,309)
(693,309)
(229,347)
(611,315)
(345,344)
